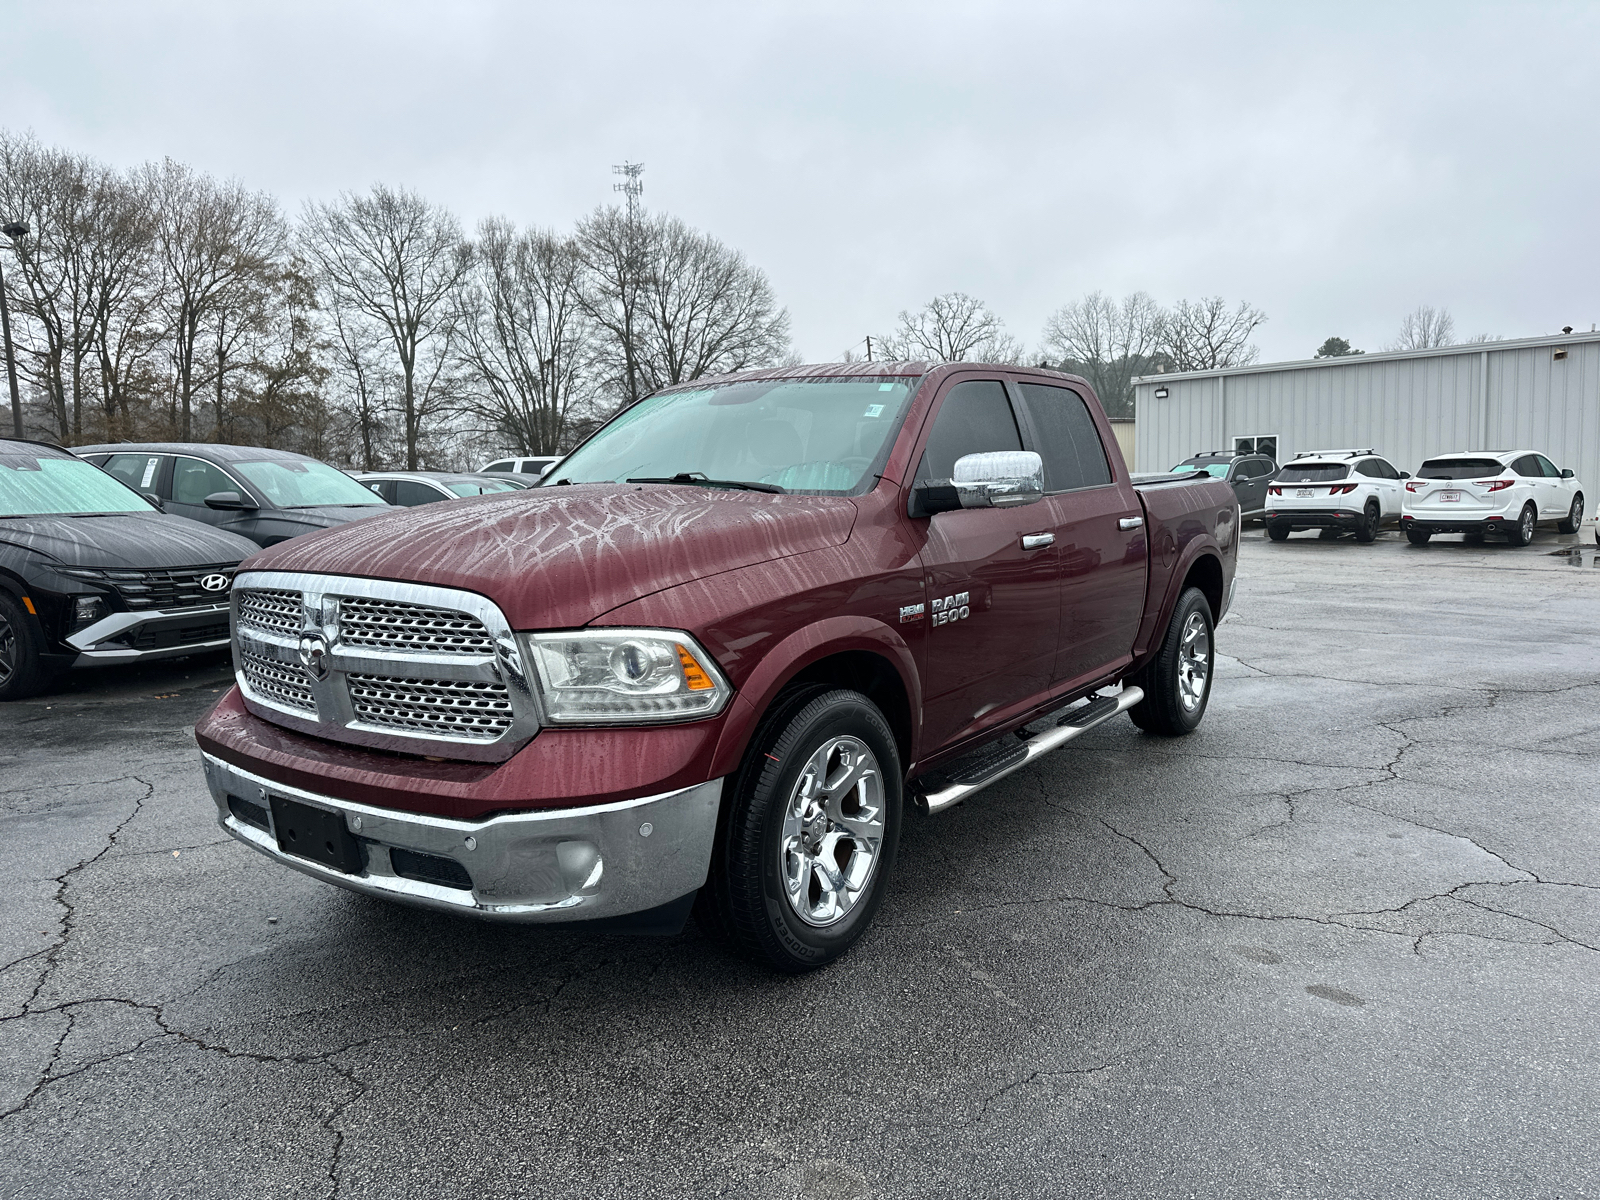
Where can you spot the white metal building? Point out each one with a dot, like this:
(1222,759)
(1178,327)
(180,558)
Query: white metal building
(1532,393)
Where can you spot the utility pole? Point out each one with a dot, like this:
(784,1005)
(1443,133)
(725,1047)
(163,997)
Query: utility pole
(869,347)
(632,185)
(13,231)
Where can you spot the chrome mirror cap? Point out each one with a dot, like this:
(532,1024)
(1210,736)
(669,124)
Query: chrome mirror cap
(999,478)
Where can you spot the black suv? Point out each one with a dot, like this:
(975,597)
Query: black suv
(1248,473)
(267,496)
(92,573)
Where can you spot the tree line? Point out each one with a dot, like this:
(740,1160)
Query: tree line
(160,303)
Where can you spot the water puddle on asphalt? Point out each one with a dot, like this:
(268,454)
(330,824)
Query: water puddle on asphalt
(1576,556)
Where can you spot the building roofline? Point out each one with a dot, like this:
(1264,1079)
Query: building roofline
(1345,360)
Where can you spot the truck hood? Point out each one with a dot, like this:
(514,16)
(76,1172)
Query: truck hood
(133,540)
(558,557)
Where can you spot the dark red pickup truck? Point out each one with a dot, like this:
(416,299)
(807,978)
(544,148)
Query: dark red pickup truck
(707,661)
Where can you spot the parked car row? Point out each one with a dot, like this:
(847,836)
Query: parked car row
(1476,493)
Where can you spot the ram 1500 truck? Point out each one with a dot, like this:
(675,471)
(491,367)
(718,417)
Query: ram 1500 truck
(707,662)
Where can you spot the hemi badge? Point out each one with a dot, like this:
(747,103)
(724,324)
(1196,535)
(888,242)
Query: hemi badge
(910,612)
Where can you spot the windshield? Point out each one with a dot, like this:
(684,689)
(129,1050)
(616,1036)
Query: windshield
(1217,470)
(481,487)
(800,435)
(305,483)
(44,486)
(1312,472)
(1460,468)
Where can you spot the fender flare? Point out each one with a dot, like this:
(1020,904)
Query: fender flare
(1155,624)
(780,664)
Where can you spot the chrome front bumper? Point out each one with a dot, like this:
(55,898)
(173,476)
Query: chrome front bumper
(106,641)
(573,864)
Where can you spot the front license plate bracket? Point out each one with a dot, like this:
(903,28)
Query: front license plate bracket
(316,834)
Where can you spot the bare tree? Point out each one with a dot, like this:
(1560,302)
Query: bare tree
(396,261)
(1108,342)
(357,350)
(612,242)
(216,243)
(1424,328)
(526,335)
(954,327)
(1204,335)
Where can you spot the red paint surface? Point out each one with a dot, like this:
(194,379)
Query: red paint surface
(769,585)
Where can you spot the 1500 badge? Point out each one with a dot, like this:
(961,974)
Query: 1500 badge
(951,608)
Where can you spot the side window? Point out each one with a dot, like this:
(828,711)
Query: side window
(193,481)
(1259,467)
(1369,468)
(409,493)
(1527,466)
(1547,466)
(501,466)
(383,487)
(138,471)
(1068,440)
(974,418)
(530,466)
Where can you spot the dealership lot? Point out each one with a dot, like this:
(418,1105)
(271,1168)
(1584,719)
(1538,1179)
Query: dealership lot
(1342,941)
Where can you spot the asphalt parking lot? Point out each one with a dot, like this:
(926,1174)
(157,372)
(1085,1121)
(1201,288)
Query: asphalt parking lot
(1343,941)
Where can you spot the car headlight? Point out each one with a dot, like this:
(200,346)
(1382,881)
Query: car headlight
(86,610)
(625,676)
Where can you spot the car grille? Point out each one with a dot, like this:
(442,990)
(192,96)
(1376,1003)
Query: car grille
(160,588)
(165,637)
(448,707)
(391,625)
(277,682)
(271,610)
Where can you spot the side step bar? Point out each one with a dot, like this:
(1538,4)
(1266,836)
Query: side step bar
(990,763)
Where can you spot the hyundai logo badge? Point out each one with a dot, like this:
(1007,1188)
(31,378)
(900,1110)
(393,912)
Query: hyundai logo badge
(217,582)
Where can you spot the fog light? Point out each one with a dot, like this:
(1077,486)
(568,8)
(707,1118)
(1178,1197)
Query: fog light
(86,610)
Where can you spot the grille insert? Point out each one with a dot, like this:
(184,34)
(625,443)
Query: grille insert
(276,682)
(429,868)
(465,709)
(392,625)
(270,609)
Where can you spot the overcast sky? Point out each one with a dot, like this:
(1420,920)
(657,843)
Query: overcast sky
(1334,164)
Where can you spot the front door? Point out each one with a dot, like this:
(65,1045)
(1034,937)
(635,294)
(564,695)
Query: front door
(192,480)
(992,586)
(1099,529)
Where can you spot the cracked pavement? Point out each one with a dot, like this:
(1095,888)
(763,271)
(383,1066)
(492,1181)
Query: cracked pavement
(1342,941)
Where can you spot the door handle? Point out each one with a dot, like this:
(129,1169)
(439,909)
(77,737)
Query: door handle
(1127,523)
(1038,541)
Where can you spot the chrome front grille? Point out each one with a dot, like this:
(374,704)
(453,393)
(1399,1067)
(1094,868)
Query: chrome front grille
(446,707)
(277,682)
(387,665)
(270,609)
(391,625)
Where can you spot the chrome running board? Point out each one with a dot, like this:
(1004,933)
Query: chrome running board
(1099,710)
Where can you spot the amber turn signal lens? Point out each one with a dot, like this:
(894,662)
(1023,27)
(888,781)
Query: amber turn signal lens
(693,673)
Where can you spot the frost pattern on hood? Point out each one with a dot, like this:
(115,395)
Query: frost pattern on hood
(560,557)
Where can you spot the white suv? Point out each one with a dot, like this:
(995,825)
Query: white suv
(1336,491)
(536,465)
(1490,491)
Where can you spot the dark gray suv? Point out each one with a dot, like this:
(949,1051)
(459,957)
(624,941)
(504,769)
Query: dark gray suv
(1248,473)
(267,496)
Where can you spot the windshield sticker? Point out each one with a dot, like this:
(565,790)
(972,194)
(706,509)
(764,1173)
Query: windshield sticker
(149,472)
(886,387)
(873,410)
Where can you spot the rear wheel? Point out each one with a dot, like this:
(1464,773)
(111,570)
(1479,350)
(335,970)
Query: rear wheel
(1177,682)
(1367,530)
(1574,516)
(1418,537)
(21,672)
(1278,533)
(1473,539)
(801,866)
(1521,533)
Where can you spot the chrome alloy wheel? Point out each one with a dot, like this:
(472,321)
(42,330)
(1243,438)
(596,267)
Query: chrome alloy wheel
(1194,662)
(832,831)
(1526,522)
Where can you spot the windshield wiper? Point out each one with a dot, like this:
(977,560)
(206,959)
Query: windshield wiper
(698,478)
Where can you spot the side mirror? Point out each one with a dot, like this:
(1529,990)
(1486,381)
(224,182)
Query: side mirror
(154,499)
(1568,473)
(995,479)
(227,500)
(547,468)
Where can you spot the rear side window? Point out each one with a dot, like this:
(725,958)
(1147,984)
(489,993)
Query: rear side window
(1068,441)
(975,418)
(1383,469)
(1312,472)
(193,481)
(1460,468)
(501,466)
(1528,467)
(138,471)
(532,466)
(1369,468)
(409,493)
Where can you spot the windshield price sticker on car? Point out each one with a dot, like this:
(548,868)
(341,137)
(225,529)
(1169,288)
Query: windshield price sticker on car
(149,472)
(873,410)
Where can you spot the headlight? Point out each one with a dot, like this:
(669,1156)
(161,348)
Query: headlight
(625,676)
(86,610)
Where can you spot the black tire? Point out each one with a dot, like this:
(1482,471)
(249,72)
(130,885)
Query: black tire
(1574,516)
(1169,707)
(1367,530)
(746,901)
(1473,539)
(1521,533)
(21,671)
(1419,537)
(1328,534)
(1278,533)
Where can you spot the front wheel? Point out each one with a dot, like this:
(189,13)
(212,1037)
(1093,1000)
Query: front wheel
(1574,516)
(1367,530)
(1521,533)
(1177,682)
(21,672)
(801,865)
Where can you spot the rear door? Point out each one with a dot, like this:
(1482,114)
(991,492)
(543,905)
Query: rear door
(992,577)
(1099,529)
(141,472)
